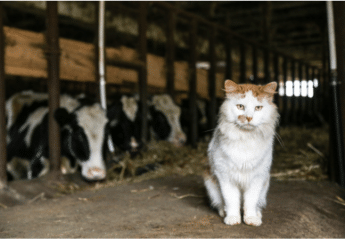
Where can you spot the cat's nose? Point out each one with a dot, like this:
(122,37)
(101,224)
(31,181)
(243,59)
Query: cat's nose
(249,119)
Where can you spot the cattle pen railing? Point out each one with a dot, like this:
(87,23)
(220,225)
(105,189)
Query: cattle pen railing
(277,66)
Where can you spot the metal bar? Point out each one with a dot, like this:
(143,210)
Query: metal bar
(192,83)
(228,59)
(337,61)
(302,98)
(255,64)
(142,50)
(212,79)
(242,63)
(170,54)
(101,54)
(3,133)
(96,44)
(53,53)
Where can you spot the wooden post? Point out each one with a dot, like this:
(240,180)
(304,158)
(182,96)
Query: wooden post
(212,79)
(53,53)
(3,133)
(267,66)
(276,79)
(255,64)
(301,98)
(228,60)
(170,55)
(294,98)
(284,97)
(192,83)
(142,21)
(242,63)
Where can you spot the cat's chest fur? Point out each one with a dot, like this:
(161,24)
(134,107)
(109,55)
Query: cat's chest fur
(240,153)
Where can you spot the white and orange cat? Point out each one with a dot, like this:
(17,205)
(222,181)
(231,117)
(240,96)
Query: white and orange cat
(240,152)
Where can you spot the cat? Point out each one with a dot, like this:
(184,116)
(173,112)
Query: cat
(240,152)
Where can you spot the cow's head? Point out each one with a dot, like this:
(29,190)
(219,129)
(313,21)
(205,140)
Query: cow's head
(123,127)
(165,120)
(84,136)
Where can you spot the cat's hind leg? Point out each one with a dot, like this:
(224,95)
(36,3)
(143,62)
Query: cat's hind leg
(213,192)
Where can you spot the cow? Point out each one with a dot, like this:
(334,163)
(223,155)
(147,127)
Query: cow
(124,128)
(83,135)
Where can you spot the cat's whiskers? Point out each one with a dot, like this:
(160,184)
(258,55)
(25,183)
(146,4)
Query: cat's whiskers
(280,140)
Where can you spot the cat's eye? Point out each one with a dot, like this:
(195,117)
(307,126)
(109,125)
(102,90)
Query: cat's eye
(240,107)
(257,108)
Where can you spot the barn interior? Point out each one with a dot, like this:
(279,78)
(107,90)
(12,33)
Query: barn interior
(185,49)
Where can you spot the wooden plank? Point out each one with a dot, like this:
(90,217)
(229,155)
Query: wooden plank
(25,57)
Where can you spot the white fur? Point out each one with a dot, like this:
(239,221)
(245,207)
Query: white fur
(130,107)
(93,120)
(240,156)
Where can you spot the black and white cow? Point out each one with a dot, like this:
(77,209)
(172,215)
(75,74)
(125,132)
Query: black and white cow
(124,128)
(83,135)
(163,119)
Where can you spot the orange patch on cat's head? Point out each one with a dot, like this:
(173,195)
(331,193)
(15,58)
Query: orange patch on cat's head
(259,91)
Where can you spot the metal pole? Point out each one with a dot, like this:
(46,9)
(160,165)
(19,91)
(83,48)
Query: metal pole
(101,53)
(3,160)
(53,53)
(142,22)
(101,63)
(337,120)
(192,82)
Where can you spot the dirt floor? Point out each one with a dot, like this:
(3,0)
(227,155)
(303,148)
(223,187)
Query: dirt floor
(170,201)
(173,206)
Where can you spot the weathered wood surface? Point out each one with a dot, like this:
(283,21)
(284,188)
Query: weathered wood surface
(25,56)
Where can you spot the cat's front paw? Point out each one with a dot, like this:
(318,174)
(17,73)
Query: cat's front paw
(253,221)
(232,220)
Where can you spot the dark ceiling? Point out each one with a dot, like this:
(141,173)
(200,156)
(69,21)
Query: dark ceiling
(296,27)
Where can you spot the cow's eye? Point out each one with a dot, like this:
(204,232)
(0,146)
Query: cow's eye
(240,107)
(257,108)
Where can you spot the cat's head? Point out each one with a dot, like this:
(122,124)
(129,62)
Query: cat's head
(249,106)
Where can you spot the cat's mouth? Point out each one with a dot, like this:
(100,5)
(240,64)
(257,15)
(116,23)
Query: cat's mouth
(247,126)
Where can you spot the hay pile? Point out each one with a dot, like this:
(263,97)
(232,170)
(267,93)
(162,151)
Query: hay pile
(300,156)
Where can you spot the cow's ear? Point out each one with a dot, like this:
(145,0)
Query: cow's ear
(62,116)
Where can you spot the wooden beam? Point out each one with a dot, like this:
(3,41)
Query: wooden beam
(193,83)
(142,52)
(3,133)
(53,53)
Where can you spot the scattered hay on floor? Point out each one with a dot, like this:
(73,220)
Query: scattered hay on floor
(303,156)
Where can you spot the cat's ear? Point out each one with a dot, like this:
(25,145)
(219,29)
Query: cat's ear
(230,86)
(270,87)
